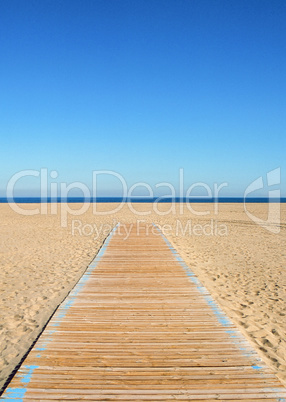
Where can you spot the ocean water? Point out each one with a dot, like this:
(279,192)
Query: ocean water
(37,200)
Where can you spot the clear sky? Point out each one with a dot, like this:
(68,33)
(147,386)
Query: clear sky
(143,87)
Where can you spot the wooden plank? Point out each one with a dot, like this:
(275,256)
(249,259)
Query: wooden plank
(140,327)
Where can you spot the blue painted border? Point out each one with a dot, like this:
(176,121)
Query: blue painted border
(236,336)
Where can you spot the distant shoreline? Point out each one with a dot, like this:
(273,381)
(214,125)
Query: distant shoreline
(49,200)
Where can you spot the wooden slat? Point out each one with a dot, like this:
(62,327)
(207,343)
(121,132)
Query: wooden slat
(139,326)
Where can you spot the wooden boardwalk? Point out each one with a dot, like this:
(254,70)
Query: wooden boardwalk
(139,326)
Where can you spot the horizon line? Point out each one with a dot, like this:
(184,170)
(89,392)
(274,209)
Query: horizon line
(166,199)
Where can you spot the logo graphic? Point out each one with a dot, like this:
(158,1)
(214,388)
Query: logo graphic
(272,223)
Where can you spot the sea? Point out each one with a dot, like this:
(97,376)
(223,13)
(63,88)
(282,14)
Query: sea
(37,200)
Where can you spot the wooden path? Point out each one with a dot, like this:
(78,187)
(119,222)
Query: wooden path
(139,326)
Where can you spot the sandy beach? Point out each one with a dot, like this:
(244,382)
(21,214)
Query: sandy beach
(241,263)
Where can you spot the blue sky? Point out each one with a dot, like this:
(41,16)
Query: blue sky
(143,88)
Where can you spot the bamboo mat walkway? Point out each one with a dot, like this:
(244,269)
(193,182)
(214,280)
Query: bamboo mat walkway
(139,326)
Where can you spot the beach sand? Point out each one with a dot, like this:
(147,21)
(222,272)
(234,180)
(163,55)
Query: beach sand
(241,263)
